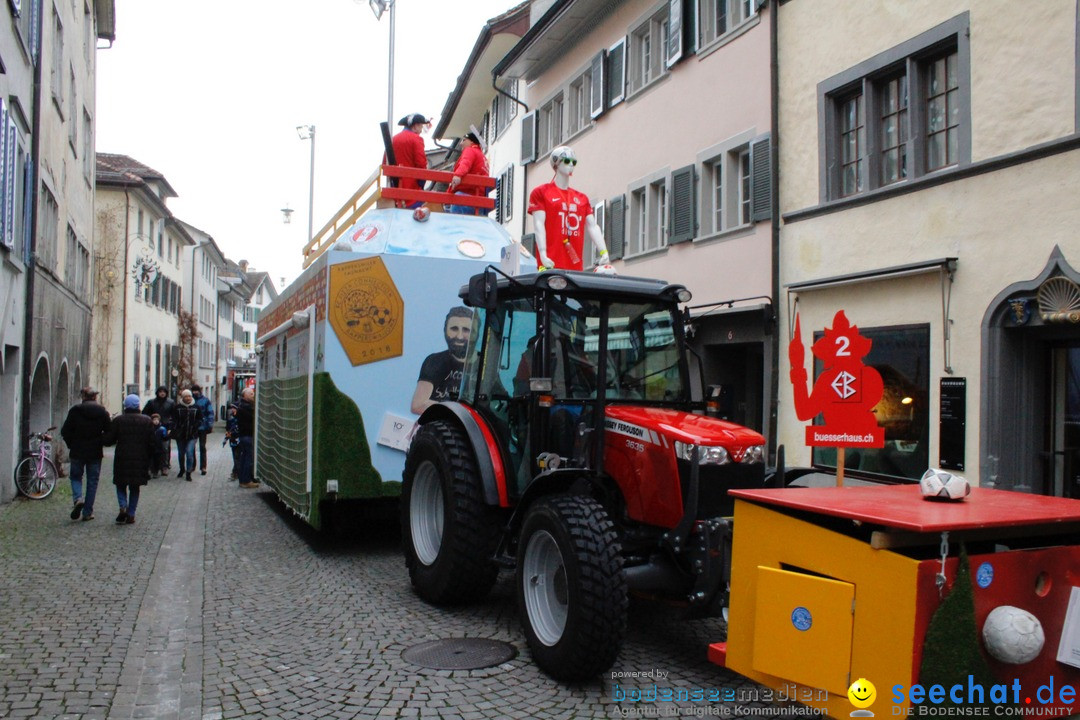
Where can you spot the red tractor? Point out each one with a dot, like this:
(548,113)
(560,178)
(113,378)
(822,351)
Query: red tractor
(575,454)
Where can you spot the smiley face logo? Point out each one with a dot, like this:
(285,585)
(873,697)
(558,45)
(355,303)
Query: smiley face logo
(862,693)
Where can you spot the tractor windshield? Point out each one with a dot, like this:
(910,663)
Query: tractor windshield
(644,358)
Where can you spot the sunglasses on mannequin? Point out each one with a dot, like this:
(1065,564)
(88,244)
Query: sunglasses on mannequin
(569,161)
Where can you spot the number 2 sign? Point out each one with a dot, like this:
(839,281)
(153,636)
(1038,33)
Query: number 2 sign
(846,391)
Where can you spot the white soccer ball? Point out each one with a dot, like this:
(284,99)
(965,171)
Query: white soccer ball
(943,485)
(421,214)
(605,269)
(1012,635)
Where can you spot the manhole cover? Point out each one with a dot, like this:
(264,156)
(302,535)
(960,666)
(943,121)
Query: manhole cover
(460,653)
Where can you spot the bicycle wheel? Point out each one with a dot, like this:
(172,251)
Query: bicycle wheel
(35,481)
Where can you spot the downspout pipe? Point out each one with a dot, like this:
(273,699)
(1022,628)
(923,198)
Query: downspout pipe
(124,270)
(774,179)
(524,168)
(31,254)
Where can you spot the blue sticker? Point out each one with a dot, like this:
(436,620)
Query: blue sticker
(984,575)
(800,618)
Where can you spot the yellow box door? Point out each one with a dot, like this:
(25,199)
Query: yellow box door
(803,628)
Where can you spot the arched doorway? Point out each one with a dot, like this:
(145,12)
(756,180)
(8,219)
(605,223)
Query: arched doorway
(1031,378)
(40,397)
(63,395)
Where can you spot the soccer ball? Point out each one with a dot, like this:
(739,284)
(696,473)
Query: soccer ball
(943,485)
(421,214)
(1012,635)
(605,269)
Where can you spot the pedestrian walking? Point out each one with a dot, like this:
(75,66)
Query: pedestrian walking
(83,431)
(133,435)
(206,426)
(185,431)
(159,461)
(163,405)
(245,430)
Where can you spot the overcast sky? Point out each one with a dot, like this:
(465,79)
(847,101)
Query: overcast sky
(209,93)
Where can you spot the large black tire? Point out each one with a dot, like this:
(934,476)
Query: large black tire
(449,534)
(572,594)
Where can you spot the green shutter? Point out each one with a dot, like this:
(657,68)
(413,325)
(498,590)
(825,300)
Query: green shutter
(676,31)
(616,73)
(761,182)
(528,241)
(615,226)
(683,206)
(528,138)
(596,85)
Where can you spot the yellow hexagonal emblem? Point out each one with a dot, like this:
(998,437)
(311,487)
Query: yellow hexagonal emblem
(366,310)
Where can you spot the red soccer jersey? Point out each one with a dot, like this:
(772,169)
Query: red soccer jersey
(564,223)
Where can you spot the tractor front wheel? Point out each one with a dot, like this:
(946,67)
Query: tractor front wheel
(450,534)
(572,594)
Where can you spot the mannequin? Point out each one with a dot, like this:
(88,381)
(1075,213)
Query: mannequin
(562,217)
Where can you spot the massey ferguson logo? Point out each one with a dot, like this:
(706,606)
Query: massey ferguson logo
(618,426)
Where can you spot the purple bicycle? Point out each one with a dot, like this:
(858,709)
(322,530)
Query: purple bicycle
(35,475)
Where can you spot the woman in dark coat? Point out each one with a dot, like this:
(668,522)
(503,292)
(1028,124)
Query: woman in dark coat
(133,435)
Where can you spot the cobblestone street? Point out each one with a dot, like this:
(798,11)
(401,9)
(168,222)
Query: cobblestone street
(219,604)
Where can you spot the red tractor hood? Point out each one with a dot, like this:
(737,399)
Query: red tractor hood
(685,427)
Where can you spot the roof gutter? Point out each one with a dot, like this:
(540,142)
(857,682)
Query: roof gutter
(527,39)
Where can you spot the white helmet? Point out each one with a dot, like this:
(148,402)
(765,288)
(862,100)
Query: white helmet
(563,152)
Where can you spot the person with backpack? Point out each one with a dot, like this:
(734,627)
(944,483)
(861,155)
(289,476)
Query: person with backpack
(206,426)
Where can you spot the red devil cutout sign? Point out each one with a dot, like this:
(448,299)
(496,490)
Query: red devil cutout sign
(846,391)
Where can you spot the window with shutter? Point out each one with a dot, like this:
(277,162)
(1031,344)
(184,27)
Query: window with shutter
(528,138)
(6,183)
(596,86)
(683,205)
(598,215)
(616,73)
(616,226)
(760,161)
(498,200)
(508,194)
(675,32)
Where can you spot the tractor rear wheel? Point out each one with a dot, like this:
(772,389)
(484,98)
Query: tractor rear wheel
(572,594)
(450,535)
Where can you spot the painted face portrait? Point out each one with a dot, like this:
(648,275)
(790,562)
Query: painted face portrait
(457,331)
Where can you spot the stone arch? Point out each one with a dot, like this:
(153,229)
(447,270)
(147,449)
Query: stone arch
(40,400)
(1016,343)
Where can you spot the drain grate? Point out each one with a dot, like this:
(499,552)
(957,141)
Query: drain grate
(460,653)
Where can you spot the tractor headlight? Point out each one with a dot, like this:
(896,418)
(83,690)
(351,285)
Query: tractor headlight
(753,454)
(707,454)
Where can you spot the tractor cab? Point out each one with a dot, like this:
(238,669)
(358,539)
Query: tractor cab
(555,350)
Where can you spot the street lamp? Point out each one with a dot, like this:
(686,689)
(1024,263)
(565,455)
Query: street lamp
(307,132)
(379,7)
(286,215)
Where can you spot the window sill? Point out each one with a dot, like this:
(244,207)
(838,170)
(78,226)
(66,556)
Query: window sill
(632,94)
(577,133)
(728,234)
(645,254)
(738,31)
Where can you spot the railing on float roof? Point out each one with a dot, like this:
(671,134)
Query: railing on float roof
(373,192)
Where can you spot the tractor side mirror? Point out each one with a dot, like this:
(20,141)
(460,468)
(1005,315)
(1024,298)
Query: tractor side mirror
(482,290)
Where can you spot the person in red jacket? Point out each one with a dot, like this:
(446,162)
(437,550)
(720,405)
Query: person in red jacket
(471,162)
(409,151)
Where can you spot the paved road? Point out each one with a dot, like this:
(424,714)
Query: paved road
(218,604)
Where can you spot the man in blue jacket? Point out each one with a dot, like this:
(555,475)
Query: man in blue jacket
(203,403)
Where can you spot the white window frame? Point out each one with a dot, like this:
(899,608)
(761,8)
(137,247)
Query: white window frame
(549,123)
(739,16)
(579,103)
(506,109)
(648,231)
(726,156)
(56,70)
(646,53)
